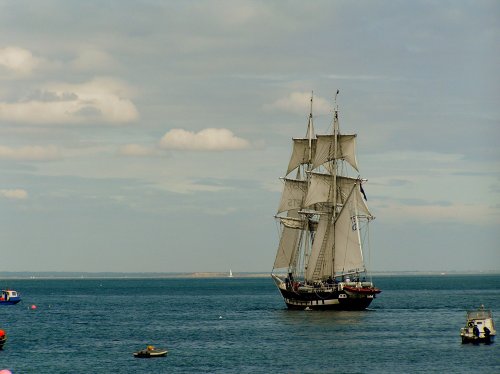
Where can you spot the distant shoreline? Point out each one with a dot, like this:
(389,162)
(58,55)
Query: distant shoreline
(201,275)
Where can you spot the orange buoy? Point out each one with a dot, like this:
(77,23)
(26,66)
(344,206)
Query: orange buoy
(32,307)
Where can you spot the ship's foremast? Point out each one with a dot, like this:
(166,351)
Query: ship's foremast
(334,177)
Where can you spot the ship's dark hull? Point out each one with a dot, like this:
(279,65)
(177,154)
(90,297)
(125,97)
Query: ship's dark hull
(325,300)
(475,340)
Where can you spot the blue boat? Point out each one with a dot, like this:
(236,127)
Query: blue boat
(9,297)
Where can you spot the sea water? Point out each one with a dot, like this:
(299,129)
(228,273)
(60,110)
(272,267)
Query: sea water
(241,325)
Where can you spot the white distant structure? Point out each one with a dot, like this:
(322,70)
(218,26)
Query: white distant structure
(230,273)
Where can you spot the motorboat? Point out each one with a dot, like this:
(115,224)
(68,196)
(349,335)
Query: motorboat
(9,297)
(150,352)
(479,328)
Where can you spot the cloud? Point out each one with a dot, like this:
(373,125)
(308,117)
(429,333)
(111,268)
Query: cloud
(362,77)
(16,194)
(422,156)
(184,186)
(92,59)
(438,212)
(206,140)
(18,60)
(99,100)
(300,102)
(136,150)
(29,153)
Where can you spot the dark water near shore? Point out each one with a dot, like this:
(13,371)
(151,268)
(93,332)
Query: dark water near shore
(242,326)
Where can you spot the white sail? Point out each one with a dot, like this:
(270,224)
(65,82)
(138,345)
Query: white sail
(293,195)
(302,153)
(321,188)
(325,149)
(339,243)
(288,244)
(360,203)
(294,223)
(323,241)
(348,254)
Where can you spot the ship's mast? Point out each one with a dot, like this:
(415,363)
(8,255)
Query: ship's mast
(310,129)
(334,172)
(310,135)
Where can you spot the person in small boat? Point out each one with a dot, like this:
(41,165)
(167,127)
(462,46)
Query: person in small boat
(475,331)
(487,332)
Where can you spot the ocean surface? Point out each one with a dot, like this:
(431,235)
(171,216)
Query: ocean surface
(241,325)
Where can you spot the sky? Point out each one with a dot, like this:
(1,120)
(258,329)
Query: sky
(150,136)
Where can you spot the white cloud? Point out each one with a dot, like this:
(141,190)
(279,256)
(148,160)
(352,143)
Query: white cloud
(18,60)
(91,59)
(15,194)
(421,156)
(183,185)
(29,153)
(136,150)
(300,102)
(99,100)
(472,214)
(361,77)
(206,140)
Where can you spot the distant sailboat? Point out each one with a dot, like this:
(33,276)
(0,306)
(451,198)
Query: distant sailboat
(230,273)
(323,217)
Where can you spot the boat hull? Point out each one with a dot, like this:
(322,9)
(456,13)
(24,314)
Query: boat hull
(150,354)
(475,340)
(9,302)
(326,300)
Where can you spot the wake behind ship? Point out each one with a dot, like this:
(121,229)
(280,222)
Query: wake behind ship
(324,222)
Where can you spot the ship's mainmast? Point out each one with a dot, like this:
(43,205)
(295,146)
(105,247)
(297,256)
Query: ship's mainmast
(334,176)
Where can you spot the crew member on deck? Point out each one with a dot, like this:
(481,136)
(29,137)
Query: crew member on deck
(475,331)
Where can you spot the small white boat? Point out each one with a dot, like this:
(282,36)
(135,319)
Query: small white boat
(479,327)
(150,352)
(9,297)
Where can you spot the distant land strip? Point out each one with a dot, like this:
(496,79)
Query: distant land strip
(187,275)
(122,275)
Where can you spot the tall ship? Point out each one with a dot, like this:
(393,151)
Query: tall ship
(323,222)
